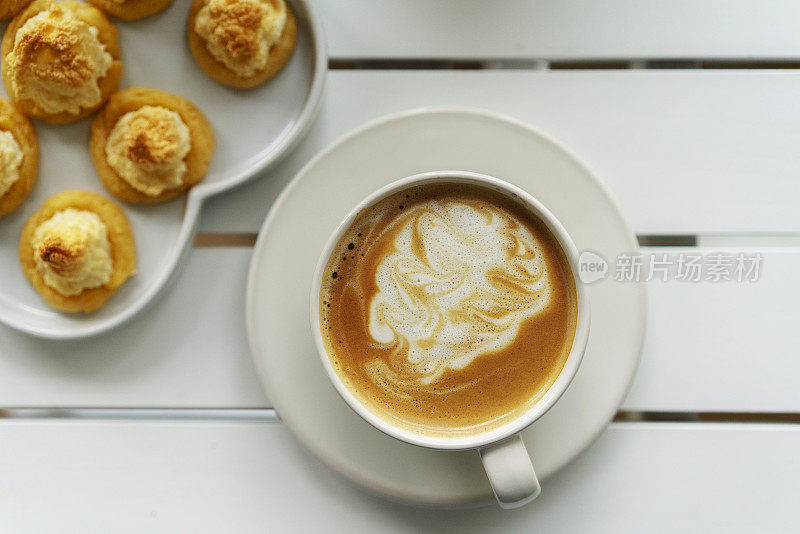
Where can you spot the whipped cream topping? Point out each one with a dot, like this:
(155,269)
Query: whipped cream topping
(458,284)
(146,148)
(72,252)
(239,33)
(10,161)
(56,62)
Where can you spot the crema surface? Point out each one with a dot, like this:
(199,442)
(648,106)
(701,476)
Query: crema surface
(448,309)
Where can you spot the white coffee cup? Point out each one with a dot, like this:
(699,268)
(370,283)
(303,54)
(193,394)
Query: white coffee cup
(507,463)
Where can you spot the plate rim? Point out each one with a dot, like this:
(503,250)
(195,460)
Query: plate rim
(352,475)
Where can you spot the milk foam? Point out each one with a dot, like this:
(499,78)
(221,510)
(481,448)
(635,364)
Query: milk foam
(461,280)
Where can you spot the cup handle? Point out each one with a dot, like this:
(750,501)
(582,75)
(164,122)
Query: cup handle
(510,472)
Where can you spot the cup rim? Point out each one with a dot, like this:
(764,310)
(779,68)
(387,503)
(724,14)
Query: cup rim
(556,389)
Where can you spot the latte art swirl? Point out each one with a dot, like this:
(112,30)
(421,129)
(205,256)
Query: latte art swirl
(457,285)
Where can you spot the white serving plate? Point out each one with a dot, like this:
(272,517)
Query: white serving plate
(254,129)
(319,197)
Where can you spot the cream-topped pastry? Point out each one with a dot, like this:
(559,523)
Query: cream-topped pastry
(150,146)
(147,147)
(10,161)
(72,251)
(239,33)
(77,250)
(56,62)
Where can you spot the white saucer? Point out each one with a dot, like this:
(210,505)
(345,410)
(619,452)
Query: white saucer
(316,200)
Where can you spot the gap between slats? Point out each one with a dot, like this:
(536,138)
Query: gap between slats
(268,415)
(225,240)
(545,64)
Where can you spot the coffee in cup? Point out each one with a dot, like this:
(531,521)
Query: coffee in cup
(448,309)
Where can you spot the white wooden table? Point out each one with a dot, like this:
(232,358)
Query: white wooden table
(687,109)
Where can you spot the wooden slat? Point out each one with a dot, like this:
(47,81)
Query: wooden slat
(253,477)
(707,349)
(684,152)
(561,29)
(188,349)
(722,346)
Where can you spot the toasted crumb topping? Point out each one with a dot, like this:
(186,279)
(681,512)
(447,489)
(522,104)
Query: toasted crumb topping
(152,138)
(237,28)
(239,33)
(57,61)
(59,256)
(146,148)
